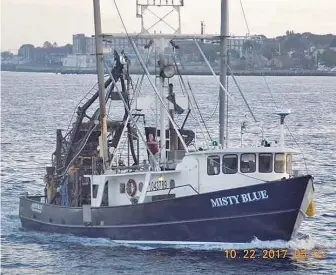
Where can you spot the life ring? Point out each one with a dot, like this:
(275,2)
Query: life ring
(131,188)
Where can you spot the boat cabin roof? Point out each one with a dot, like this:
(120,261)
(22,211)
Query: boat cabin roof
(244,150)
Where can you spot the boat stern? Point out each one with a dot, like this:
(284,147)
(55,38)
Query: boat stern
(30,207)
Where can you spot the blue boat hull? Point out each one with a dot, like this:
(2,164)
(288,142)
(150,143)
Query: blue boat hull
(267,211)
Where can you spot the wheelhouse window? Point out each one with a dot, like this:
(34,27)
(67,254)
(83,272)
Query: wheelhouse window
(289,164)
(94,190)
(230,164)
(248,163)
(279,163)
(213,165)
(265,162)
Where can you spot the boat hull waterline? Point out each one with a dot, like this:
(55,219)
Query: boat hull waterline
(267,211)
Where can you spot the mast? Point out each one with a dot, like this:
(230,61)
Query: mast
(101,84)
(223,71)
(162,106)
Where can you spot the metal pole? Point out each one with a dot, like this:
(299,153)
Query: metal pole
(131,117)
(223,70)
(162,107)
(158,94)
(227,114)
(101,84)
(179,31)
(129,135)
(156,98)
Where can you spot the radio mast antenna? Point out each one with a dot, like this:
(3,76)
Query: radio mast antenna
(143,10)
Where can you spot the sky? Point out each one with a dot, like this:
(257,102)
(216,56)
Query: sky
(36,21)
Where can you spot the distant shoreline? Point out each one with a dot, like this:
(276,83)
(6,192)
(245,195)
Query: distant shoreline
(194,71)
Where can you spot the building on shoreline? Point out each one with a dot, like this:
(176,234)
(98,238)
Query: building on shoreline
(291,51)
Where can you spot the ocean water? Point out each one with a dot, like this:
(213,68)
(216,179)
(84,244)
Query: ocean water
(33,105)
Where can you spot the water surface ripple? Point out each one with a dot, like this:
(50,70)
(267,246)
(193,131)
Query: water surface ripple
(32,107)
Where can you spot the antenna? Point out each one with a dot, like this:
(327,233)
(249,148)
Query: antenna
(143,9)
(282,115)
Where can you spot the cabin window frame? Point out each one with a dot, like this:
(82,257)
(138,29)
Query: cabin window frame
(105,197)
(241,162)
(224,167)
(95,188)
(122,188)
(271,163)
(208,164)
(283,170)
(289,167)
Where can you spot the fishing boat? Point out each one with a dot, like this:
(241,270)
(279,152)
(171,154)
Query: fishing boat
(177,191)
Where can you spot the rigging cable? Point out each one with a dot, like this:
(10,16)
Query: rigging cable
(81,101)
(268,88)
(220,84)
(138,58)
(151,82)
(132,119)
(193,97)
(109,107)
(79,151)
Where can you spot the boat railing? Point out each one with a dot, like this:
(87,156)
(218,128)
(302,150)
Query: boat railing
(37,198)
(133,168)
(146,166)
(175,187)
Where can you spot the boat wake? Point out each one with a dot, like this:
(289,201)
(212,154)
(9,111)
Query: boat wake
(303,241)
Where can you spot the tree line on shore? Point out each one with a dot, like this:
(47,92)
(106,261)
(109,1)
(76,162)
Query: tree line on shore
(304,49)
